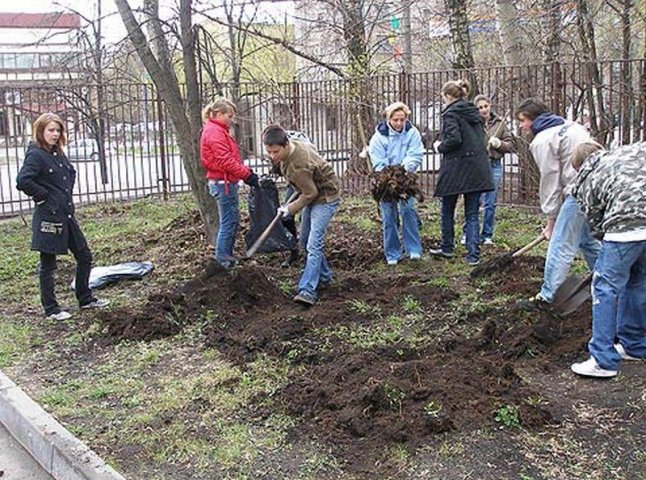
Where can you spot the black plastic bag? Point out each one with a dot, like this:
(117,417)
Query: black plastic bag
(263,204)
(103,276)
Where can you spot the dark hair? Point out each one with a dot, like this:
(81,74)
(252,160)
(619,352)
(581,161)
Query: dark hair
(275,135)
(456,88)
(531,108)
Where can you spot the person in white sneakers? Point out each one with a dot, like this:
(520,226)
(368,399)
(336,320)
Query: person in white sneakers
(48,177)
(611,189)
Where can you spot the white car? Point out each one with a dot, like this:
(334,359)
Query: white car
(83,149)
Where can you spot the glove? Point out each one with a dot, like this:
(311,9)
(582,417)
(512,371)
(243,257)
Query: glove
(495,142)
(283,211)
(363,153)
(436,145)
(252,180)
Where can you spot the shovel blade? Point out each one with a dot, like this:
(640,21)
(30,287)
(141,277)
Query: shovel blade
(572,293)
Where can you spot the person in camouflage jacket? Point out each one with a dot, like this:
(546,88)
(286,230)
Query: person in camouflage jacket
(611,189)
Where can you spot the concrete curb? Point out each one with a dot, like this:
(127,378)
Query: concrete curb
(59,452)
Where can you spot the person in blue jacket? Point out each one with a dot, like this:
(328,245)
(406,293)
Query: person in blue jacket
(397,142)
(48,177)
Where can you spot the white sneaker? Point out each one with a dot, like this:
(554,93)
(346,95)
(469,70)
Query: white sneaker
(415,256)
(487,241)
(590,368)
(60,316)
(96,303)
(392,262)
(622,353)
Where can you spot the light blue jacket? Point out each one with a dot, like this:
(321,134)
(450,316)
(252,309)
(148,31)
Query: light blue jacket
(389,147)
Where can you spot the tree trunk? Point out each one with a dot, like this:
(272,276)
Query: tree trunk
(552,30)
(187,127)
(626,73)
(594,88)
(461,40)
(354,33)
(512,39)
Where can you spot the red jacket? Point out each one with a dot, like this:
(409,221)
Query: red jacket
(220,154)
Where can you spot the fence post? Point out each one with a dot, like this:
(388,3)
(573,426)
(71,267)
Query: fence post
(162,147)
(296,105)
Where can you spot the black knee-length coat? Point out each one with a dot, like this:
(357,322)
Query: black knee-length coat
(465,166)
(48,178)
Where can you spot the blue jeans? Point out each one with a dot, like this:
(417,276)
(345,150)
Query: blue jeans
(619,302)
(471,224)
(571,233)
(489,201)
(391,212)
(314,222)
(229,221)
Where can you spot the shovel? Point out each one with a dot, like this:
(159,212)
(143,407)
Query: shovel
(261,239)
(502,261)
(572,293)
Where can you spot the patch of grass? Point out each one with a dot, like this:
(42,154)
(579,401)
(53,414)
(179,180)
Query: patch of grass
(411,304)
(364,308)
(432,408)
(15,341)
(508,416)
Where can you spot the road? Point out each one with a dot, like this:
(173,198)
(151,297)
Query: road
(16,463)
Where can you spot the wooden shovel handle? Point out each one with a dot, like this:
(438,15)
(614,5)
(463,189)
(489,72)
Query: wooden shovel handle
(261,239)
(529,246)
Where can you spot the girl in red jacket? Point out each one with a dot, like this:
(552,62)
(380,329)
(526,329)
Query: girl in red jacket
(224,169)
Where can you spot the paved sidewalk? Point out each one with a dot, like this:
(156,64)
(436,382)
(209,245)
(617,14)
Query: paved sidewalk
(15,462)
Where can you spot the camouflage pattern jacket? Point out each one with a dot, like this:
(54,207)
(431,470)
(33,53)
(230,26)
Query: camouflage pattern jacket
(611,189)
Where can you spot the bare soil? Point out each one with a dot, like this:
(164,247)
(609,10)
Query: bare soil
(362,400)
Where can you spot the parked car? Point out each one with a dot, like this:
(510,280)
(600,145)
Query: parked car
(83,150)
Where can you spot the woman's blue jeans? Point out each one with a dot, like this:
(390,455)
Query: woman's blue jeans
(391,213)
(619,302)
(227,198)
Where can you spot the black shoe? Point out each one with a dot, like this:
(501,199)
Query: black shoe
(291,260)
(437,252)
(535,304)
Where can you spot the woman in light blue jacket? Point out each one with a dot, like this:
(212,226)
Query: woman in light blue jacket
(397,142)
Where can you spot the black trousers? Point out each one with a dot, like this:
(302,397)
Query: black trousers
(48,266)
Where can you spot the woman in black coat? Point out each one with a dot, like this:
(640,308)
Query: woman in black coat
(464,168)
(48,178)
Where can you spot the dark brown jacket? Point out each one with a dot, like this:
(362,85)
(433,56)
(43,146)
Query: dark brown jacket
(310,175)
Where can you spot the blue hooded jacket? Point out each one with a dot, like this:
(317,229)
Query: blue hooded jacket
(389,147)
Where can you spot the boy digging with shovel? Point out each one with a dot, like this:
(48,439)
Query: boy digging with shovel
(319,199)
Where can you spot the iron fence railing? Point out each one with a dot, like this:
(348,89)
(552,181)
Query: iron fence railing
(123,145)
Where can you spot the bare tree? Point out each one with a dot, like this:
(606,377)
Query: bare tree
(183,111)
(461,39)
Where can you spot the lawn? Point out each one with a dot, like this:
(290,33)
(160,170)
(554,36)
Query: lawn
(408,372)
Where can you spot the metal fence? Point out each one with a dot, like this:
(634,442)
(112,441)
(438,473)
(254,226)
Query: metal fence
(123,145)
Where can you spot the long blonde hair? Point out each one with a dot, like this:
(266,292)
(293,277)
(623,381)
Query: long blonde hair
(39,130)
(219,105)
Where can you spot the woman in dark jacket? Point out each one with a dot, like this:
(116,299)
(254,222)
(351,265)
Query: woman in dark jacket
(48,178)
(464,169)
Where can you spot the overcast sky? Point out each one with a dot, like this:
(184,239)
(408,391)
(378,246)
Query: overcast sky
(113,27)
